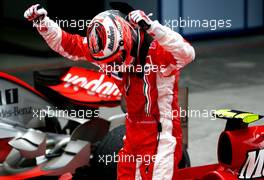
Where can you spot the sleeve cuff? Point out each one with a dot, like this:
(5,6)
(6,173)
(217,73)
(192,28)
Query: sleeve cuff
(156,30)
(46,26)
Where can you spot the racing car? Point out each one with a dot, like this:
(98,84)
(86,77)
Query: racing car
(43,136)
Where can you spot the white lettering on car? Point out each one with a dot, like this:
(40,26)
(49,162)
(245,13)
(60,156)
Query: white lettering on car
(253,166)
(95,86)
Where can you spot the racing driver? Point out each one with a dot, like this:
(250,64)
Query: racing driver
(152,130)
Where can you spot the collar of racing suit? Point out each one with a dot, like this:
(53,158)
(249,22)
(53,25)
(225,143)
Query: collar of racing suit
(140,49)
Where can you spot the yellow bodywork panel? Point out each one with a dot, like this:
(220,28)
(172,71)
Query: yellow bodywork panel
(246,117)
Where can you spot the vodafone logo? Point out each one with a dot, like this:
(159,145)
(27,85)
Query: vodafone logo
(93,86)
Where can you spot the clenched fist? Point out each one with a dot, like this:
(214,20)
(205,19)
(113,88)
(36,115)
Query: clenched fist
(35,12)
(139,18)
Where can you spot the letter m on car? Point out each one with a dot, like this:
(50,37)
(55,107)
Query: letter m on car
(253,166)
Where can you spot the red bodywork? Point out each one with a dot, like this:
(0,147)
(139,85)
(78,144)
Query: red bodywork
(35,172)
(4,148)
(235,145)
(86,86)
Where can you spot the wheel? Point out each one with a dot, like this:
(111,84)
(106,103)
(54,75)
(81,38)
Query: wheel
(185,161)
(110,145)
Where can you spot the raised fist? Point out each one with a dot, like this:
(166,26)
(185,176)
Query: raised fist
(139,18)
(35,12)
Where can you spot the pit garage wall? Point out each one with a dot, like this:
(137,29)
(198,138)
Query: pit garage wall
(245,15)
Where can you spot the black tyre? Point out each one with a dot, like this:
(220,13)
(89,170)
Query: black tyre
(110,145)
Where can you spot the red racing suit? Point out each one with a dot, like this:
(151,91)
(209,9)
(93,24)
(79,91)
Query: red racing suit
(150,99)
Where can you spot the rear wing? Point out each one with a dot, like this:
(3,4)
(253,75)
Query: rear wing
(236,119)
